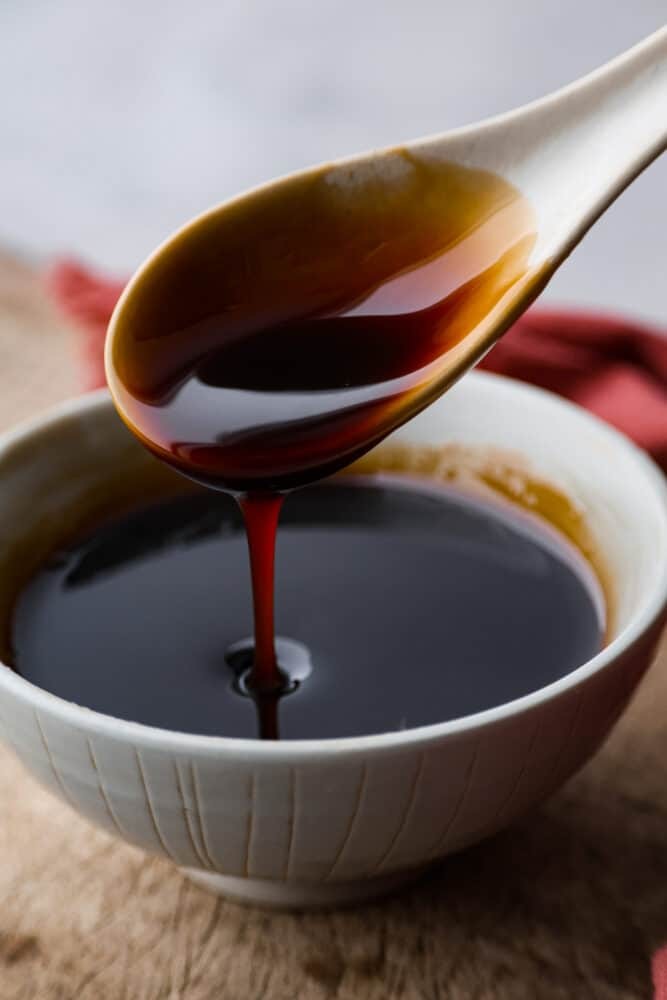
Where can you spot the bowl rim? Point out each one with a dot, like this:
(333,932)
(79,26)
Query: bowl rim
(652,606)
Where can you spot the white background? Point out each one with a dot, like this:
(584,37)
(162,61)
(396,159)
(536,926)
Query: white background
(119,120)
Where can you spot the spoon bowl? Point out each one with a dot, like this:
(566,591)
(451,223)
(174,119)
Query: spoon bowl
(279,336)
(282,334)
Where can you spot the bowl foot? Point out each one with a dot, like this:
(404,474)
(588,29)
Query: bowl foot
(277,895)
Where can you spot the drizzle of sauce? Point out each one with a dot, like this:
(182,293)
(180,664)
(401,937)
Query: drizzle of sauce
(276,339)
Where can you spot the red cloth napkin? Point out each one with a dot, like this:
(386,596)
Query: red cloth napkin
(612,366)
(659,965)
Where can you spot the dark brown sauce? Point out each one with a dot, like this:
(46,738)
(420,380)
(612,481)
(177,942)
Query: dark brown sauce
(411,602)
(277,339)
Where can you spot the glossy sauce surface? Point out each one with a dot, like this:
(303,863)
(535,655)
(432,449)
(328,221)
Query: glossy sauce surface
(411,603)
(277,338)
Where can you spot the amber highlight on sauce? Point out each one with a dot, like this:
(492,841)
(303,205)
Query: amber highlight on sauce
(276,339)
(507,477)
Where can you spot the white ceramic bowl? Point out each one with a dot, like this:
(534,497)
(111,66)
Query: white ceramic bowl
(324,822)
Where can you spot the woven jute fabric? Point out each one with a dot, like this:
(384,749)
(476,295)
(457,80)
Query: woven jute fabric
(568,904)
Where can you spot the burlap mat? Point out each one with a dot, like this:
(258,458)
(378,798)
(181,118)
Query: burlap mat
(570,904)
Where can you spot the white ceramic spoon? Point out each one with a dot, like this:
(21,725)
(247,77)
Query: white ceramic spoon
(568,156)
(573,152)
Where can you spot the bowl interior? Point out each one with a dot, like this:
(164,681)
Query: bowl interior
(619,494)
(64,472)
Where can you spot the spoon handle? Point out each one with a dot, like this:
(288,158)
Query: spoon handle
(573,152)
